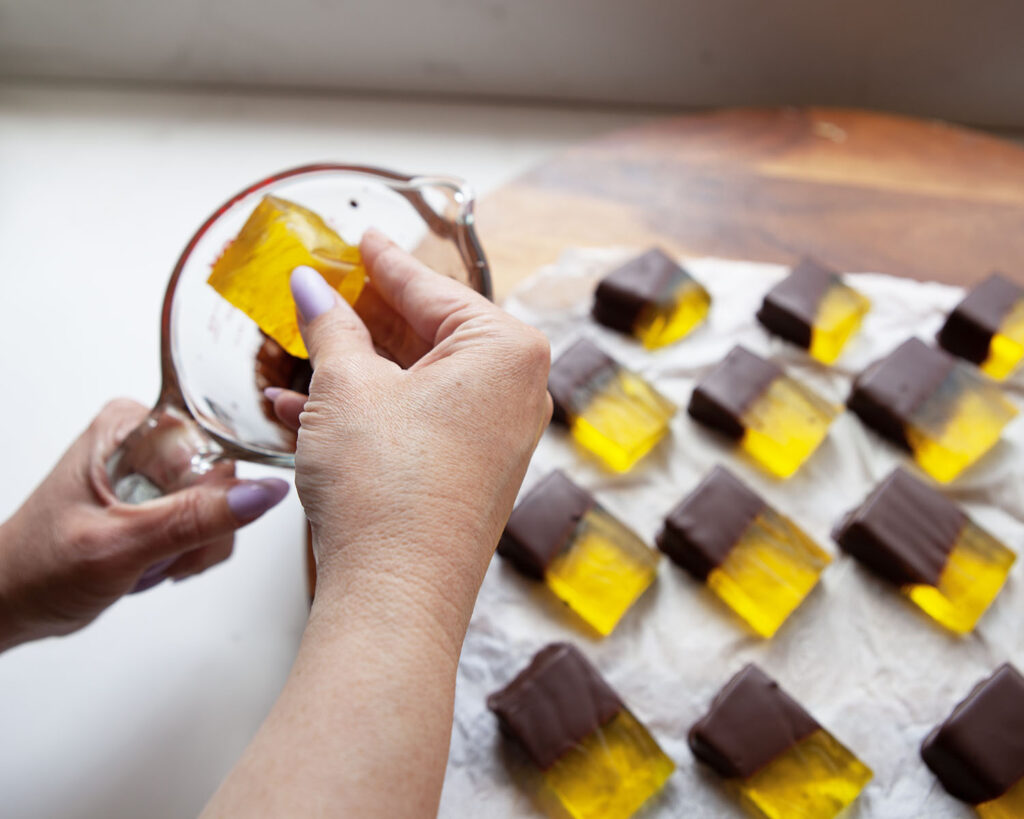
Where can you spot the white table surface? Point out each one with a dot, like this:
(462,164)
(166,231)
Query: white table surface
(143,712)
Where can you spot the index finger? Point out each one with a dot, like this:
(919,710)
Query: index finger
(432,304)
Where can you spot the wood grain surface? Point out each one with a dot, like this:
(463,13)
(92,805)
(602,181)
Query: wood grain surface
(859,190)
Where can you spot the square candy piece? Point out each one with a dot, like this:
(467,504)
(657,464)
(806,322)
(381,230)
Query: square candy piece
(254,270)
(978,752)
(910,535)
(652,299)
(610,411)
(590,560)
(758,561)
(783,763)
(776,420)
(987,327)
(814,309)
(598,761)
(922,399)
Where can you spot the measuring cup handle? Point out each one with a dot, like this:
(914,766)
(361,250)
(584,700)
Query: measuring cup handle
(166,452)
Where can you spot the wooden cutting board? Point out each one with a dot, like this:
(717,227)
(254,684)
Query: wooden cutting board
(858,190)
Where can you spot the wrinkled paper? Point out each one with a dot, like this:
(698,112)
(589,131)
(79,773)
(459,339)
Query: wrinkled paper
(864,661)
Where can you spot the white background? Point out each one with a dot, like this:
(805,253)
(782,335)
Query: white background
(143,712)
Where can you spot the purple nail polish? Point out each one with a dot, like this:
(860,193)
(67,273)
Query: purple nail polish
(271,393)
(250,499)
(312,294)
(153,576)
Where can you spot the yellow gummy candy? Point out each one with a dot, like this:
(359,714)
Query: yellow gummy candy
(603,571)
(769,572)
(815,779)
(254,270)
(663,325)
(958,424)
(838,317)
(974,573)
(1008,806)
(784,425)
(623,420)
(1006,350)
(611,773)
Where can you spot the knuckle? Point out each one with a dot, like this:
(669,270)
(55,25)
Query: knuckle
(185,522)
(537,353)
(334,376)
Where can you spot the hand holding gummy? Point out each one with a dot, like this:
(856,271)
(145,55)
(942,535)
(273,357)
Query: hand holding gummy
(215,359)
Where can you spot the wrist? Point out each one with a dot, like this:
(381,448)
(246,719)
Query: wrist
(14,625)
(387,602)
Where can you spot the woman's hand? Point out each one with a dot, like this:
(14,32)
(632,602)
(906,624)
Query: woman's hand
(425,406)
(72,549)
(408,463)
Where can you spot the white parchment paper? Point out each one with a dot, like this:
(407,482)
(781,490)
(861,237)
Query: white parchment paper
(863,660)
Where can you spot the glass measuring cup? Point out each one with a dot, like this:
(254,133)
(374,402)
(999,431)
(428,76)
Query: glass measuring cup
(211,408)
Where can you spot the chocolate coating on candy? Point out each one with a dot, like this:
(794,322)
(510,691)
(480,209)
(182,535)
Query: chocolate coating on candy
(978,753)
(724,394)
(888,392)
(969,328)
(575,375)
(700,532)
(541,525)
(557,701)
(790,308)
(904,531)
(751,722)
(646,281)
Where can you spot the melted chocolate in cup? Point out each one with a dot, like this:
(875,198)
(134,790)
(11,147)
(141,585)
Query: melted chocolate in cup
(277,368)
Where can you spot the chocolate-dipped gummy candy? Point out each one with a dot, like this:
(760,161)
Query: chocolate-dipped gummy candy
(814,309)
(610,411)
(978,752)
(987,327)
(760,563)
(253,271)
(912,536)
(590,560)
(652,299)
(925,401)
(596,758)
(782,762)
(776,420)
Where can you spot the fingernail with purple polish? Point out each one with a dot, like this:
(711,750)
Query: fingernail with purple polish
(313,295)
(250,499)
(153,576)
(271,393)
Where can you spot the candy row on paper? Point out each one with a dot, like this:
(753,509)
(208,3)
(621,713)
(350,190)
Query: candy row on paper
(596,760)
(754,558)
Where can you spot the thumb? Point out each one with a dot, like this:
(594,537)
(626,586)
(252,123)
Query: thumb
(330,327)
(184,520)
